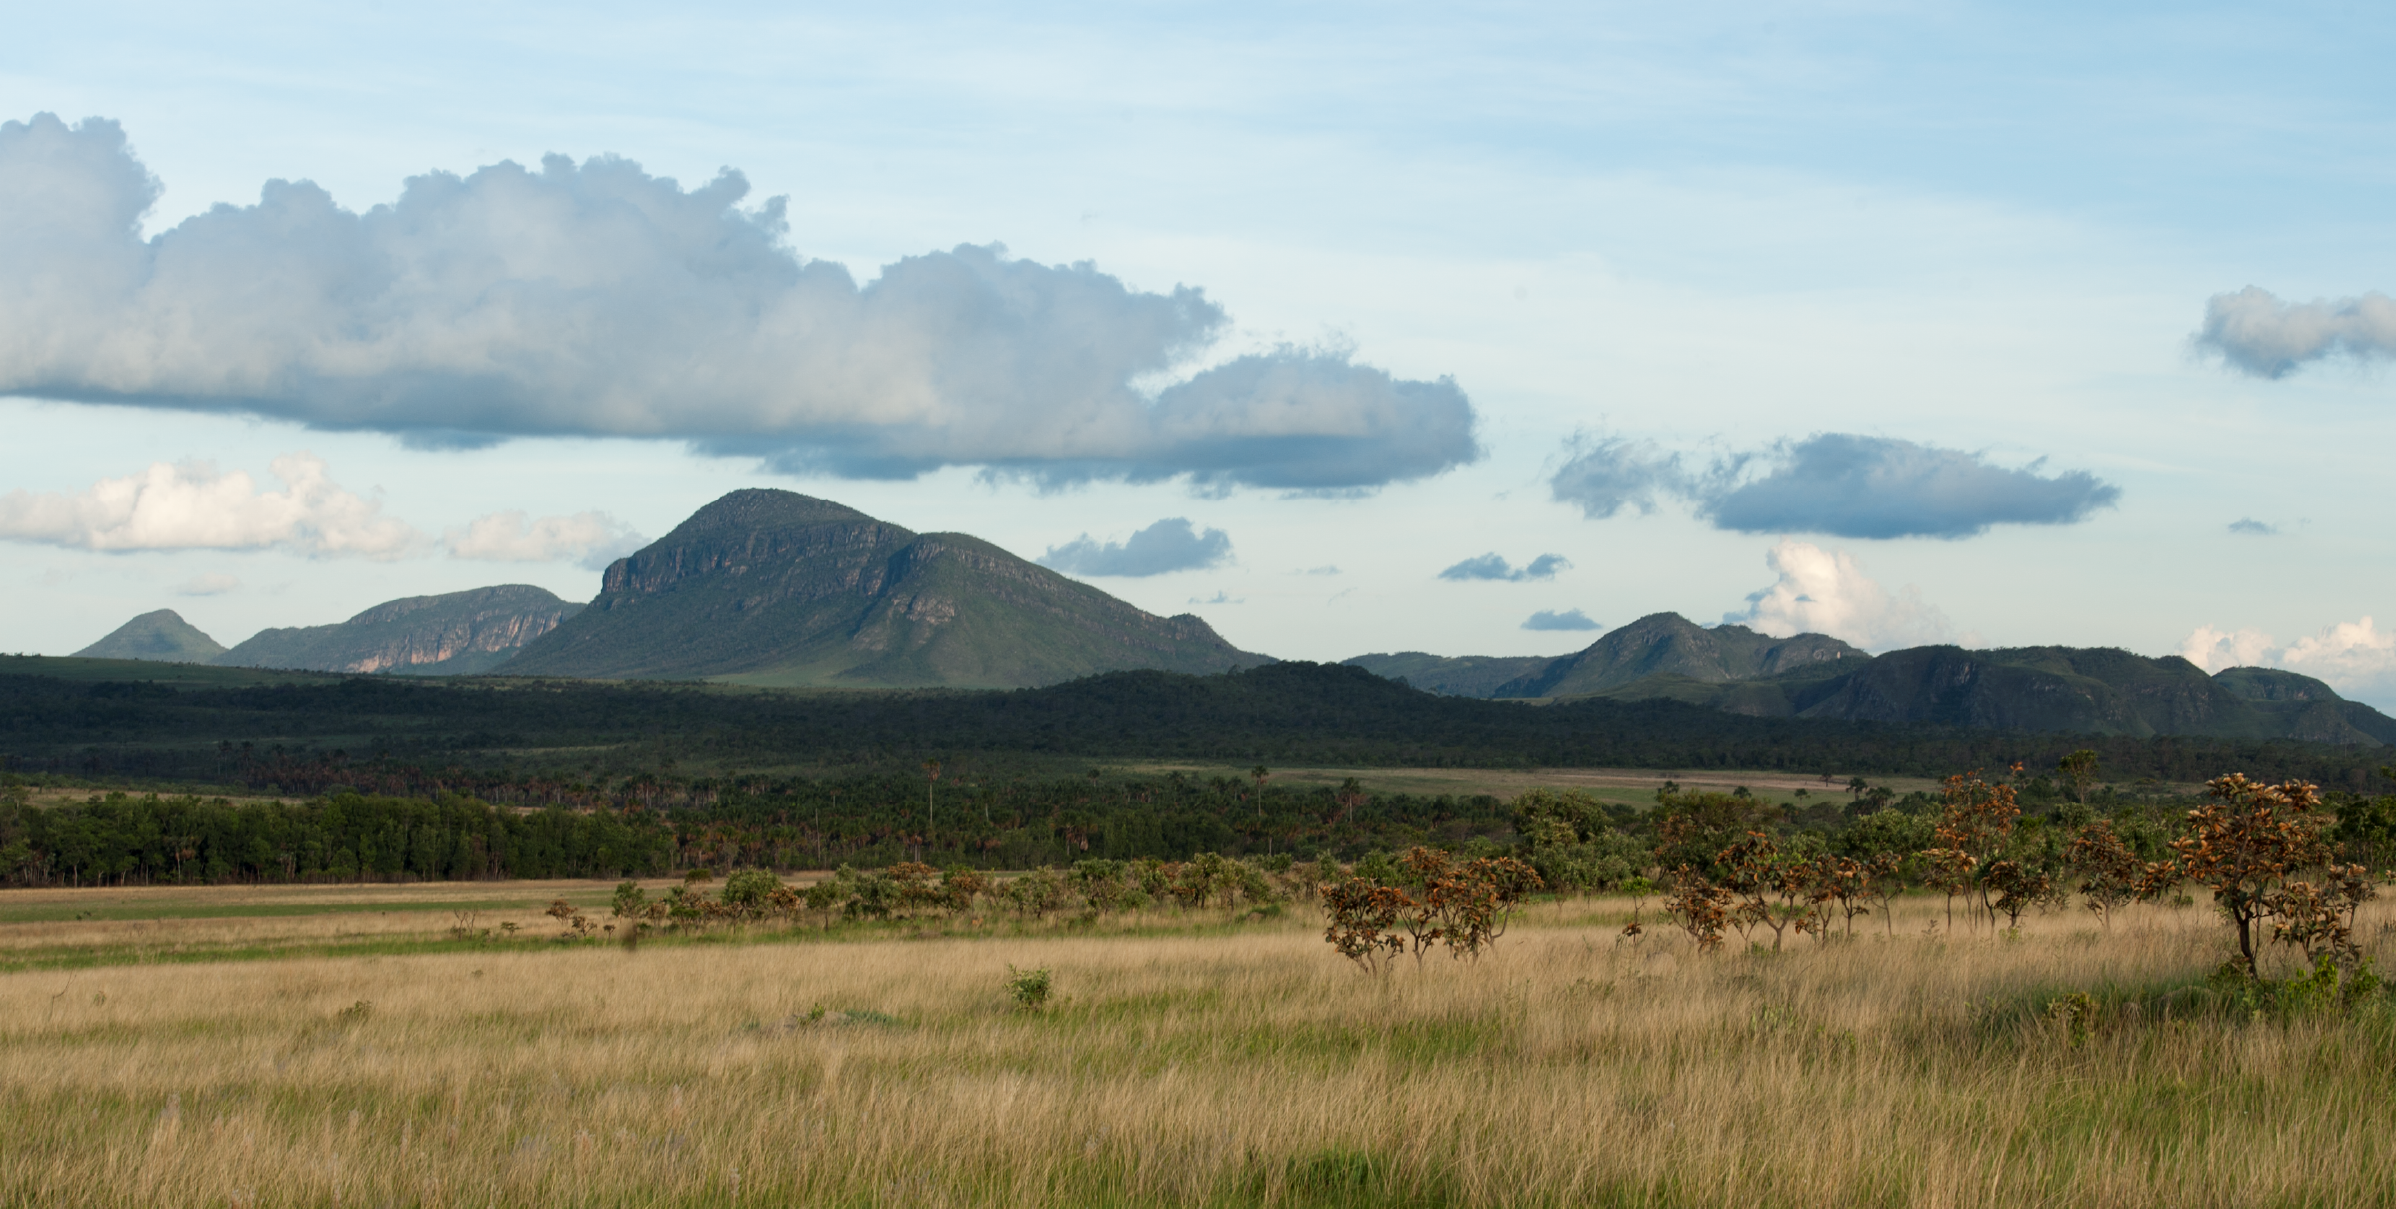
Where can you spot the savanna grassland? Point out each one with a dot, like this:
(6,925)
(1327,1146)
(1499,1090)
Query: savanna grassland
(1186,1057)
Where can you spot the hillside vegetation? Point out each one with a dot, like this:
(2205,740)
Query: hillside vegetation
(2062,690)
(69,716)
(772,587)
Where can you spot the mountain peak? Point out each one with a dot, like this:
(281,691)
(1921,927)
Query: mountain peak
(769,508)
(1670,644)
(774,587)
(161,636)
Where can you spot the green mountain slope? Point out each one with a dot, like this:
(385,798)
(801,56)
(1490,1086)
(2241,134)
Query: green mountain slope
(1452,676)
(161,636)
(2071,690)
(2048,689)
(776,588)
(1669,644)
(454,634)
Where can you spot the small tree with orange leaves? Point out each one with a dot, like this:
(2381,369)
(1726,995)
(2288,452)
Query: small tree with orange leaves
(1699,906)
(1979,818)
(1770,887)
(2110,874)
(2248,845)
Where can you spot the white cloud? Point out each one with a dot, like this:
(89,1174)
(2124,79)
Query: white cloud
(190,506)
(1569,619)
(2213,649)
(1843,484)
(211,584)
(1821,592)
(1494,566)
(2354,657)
(596,299)
(2257,334)
(591,539)
(1172,544)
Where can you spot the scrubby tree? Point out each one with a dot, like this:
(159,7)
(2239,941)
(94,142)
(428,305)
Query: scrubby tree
(2079,770)
(2249,844)
(1700,907)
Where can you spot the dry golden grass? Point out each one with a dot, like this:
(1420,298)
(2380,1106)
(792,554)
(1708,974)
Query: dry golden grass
(1241,1067)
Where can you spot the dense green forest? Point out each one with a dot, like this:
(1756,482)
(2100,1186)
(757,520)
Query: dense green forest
(493,737)
(517,778)
(872,821)
(784,823)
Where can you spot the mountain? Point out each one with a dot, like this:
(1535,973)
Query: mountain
(1668,644)
(1456,676)
(2068,690)
(455,634)
(775,588)
(2093,691)
(162,637)
(2272,684)
(2099,691)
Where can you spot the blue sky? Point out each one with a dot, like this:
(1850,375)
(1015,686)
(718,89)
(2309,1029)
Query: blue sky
(1679,246)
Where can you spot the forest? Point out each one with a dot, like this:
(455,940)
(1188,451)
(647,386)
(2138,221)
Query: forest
(491,738)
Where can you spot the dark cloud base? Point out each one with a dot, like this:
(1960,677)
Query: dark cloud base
(1841,484)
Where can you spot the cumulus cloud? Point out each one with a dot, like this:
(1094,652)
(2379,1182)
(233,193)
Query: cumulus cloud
(1172,544)
(2256,333)
(190,506)
(595,299)
(1326,569)
(1858,486)
(1606,475)
(2354,657)
(2252,527)
(1822,592)
(1220,597)
(211,584)
(1569,619)
(591,539)
(1490,566)
(1842,484)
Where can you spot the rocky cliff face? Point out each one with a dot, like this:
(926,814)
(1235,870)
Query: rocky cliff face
(772,587)
(459,633)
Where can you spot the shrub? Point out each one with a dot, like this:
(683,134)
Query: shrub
(2248,845)
(749,892)
(1029,987)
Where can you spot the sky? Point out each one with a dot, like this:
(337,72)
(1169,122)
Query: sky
(1348,328)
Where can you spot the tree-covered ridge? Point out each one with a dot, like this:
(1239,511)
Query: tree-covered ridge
(429,735)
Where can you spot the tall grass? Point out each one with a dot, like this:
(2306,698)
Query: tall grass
(1246,1068)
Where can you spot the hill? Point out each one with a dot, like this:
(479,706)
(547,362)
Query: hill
(290,731)
(454,634)
(2053,690)
(775,588)
(2089,691)
(1664,647)
(1451,676)
(162,636)
(1668,644)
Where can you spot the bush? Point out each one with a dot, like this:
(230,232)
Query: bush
(1029,987)
(748,891)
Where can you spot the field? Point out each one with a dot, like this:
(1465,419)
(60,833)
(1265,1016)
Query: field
(357,1054)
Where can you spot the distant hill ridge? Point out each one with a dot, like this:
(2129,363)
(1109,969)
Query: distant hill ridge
(453,634)
(776,588)
(161,636)
(2053,689)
